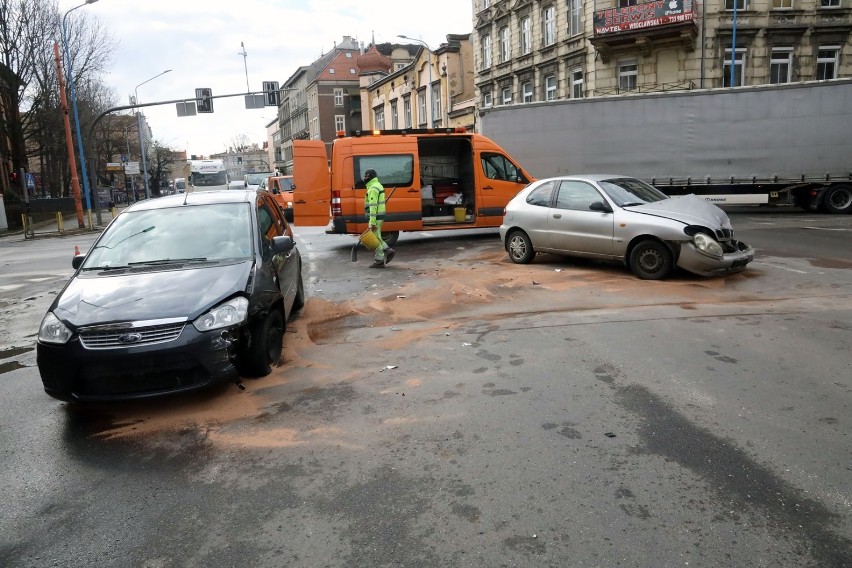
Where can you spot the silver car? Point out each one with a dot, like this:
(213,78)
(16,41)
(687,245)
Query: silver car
(622,218)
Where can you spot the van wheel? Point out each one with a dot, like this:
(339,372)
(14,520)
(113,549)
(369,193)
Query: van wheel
(838,199)
(264,347)
(520,248)
(651,260)
(390,238)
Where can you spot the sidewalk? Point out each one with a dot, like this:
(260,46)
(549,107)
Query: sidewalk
(50,229)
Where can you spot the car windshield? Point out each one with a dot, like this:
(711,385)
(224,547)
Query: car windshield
(630,191)
(213,232)
(255,179)
(218,178)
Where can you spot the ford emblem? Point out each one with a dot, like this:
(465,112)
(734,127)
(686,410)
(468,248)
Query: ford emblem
(130,338)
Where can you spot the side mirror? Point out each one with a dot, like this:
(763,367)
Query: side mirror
(282,243)
(600,206)
(77,261)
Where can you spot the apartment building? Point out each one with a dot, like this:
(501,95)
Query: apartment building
(417,87)
(537,50)
(318,100)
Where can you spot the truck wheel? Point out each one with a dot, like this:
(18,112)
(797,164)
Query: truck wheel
(390,238)
(520,248)
(651,260)
(264,347)
(838,199)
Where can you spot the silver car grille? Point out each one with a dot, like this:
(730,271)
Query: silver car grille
(130,334)
(724,234)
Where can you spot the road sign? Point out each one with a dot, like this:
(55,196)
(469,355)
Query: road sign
(30,181)
(185,108)
(131,168)
(255,101)
(204,99)
(270,89)
(115,167)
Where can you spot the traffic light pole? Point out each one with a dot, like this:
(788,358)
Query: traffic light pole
(93,173)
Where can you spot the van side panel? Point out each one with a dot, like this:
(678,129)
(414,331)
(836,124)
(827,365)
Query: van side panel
(499,179)
(312,193)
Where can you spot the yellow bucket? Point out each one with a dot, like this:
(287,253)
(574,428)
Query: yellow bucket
(461,214)
(369,239)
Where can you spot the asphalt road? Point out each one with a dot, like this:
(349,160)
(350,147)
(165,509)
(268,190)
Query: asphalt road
(455,409)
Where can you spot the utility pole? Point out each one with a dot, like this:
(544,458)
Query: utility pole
(75,183)
(245,64)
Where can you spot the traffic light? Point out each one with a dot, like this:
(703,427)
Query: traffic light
(204,99)
(270,91)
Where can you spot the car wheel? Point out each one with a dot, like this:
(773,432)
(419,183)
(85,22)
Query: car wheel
(299,301)
(838,199)
(264,347)
(390,238)
(651,260)
(520,248)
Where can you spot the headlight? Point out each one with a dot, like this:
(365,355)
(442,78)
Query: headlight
(706,244)
(230,313)
(53,331)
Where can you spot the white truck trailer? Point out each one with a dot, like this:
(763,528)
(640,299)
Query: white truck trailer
(771,144)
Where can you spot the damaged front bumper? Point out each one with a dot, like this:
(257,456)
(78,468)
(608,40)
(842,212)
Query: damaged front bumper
(736,257)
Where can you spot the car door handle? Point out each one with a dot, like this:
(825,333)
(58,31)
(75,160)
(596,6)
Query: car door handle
(557,215)
(487,187)
(414,190)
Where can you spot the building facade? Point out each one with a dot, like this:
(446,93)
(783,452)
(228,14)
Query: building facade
(431,89)
(537,50)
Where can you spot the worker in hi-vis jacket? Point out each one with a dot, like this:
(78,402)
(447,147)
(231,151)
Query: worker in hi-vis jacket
(374,208)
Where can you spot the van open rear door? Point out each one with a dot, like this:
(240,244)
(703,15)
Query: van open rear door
(312,192)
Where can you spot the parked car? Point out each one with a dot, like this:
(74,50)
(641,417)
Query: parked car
(178,293)
(237,184)
(624,219)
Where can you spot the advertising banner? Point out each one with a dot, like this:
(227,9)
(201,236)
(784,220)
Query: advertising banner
(640,16)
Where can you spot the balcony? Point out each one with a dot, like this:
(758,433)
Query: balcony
(645,26)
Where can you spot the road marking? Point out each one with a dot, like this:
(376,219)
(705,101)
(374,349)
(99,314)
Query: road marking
(826,229)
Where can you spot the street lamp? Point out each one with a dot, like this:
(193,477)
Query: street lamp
(70,73)
(139,127)
(429,50)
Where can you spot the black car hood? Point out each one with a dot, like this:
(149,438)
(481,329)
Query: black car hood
(99,298)
(688,209)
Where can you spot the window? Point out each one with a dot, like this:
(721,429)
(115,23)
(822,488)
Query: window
(497,166)
(550,88)
(338,97)
(575,8)
(827,60)
(406,113)
(487,102)
(739,62)
(339,122)
(486,52)
(542,196)
(485,4)
(379,117)
(576,83)
(577,196)
(399,66)
(436,101)
(394,169)
(829,4)
(351,70)
(527,93)
(331,71)
(421,107)
(526,36)
(505,52)
(549,25)
(394,115)
(782,4)
(506,96)
(741,4)
(625,3)
(781,65)
(627,75)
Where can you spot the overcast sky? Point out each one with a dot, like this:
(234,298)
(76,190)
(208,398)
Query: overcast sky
(200,43)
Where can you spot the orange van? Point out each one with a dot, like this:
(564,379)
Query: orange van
(434,179)
(281,188)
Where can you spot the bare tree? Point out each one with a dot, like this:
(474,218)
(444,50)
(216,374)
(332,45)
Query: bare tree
(240,142)
(161,161)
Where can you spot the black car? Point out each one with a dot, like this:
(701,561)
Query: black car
(178,293)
